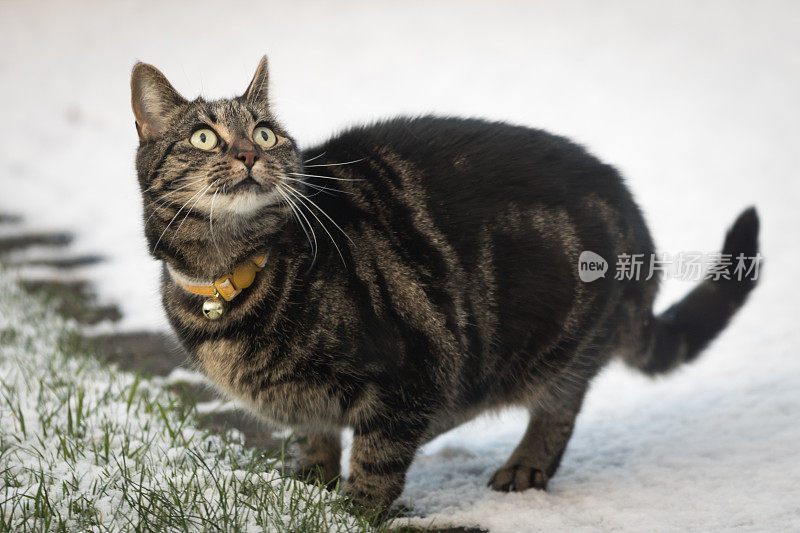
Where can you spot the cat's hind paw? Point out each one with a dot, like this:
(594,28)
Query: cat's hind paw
(518,478)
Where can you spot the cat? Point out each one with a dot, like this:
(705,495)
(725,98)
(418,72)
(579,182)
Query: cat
(402,277)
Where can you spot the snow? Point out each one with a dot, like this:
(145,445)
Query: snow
(696,103)
(181,375)
(215,406)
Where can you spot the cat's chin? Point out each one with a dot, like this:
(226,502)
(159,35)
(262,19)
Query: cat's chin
(245,203)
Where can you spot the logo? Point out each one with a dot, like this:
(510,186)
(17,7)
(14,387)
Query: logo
(591,266)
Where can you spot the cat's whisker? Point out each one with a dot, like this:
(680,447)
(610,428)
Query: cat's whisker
(164,201)
(324,213)
(297,214)
(161,170)
(298,209)
(155,210)
(303,201)
(176,190)
(315,186)
(174,217)
(339,164)
(152,186)
(173,182)
(178,229)
(324,177)
(315,157)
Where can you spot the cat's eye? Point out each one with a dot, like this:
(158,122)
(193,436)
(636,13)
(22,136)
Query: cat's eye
(204,138)
(265,137)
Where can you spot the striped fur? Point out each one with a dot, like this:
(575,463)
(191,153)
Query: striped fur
(450,286)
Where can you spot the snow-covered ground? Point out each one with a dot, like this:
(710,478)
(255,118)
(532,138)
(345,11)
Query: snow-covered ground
(696,103)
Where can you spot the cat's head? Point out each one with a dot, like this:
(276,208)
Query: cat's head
(210,171)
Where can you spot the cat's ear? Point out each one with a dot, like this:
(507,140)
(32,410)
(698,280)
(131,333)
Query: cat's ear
(153,100)
(257,90)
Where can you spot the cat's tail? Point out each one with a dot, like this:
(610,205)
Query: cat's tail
(680,333)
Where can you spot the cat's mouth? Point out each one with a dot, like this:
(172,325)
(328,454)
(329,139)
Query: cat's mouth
(247,195)
(247,184)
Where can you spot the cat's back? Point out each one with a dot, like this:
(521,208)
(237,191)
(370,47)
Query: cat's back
(461,160)
(470,172)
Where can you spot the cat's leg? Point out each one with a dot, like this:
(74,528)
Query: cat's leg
(538,455)
(379,459)
(319,456)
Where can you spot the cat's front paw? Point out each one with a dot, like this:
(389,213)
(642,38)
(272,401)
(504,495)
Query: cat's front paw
(374,500)
(317,473)
(316,458)
(517,478)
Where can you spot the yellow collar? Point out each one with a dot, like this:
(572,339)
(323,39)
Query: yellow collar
(228,286)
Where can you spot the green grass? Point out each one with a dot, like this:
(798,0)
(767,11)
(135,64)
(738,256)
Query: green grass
(84,447)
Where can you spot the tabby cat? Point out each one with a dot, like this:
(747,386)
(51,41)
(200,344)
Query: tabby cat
(402,277)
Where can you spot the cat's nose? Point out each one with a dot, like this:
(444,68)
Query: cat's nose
(248,158)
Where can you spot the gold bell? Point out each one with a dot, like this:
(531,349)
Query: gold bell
(213,308)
